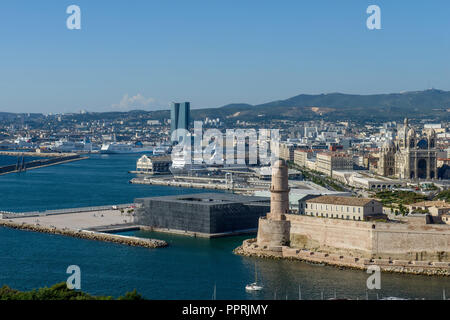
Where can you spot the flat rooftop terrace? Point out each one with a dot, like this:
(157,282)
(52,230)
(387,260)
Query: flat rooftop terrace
(208,199)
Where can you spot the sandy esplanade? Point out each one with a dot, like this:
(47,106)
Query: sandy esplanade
(80,220)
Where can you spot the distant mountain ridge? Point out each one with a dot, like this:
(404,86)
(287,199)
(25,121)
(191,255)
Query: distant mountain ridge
(428,98)
(432,104)
(337,106)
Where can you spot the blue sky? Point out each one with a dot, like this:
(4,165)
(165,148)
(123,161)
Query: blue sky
(146,53)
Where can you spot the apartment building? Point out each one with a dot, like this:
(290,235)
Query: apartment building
(330,161)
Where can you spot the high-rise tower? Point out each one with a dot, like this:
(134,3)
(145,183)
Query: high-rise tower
(179,116)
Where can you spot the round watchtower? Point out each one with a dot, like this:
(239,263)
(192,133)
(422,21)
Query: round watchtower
(279,191)
(274,230)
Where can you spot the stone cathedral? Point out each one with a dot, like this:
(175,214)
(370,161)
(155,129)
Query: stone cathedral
(412,155)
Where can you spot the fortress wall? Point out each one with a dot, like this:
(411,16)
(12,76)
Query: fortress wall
(394,240)
(417,242)
(314,233)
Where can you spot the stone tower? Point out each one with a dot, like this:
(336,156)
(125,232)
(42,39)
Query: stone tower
(279,192)
(274,230)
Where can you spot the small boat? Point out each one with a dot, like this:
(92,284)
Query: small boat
(254,286)
(392,298)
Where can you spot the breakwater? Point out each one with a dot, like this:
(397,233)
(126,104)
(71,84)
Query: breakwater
(23,166)
(85,234)
(432,268)
(37,154)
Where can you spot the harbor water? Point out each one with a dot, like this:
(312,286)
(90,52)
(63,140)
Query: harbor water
(189,268)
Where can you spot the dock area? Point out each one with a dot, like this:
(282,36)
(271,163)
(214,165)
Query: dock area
(205,184)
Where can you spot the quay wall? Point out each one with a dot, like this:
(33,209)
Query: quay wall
(194,185)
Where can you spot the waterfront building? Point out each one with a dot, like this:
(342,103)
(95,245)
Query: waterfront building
(204,214)
(153,164)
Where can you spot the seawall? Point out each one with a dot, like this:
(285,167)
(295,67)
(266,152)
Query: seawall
(431,268)
(371,239)
(89,235)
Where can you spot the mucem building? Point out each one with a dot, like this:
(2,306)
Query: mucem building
(203,214)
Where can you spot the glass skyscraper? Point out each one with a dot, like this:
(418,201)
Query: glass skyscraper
(179,116)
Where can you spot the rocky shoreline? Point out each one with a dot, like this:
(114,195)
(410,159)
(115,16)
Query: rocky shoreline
(250,248)
(89,235)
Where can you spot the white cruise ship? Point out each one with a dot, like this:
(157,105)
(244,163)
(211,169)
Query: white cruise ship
(161,149)
(65,145)
(115,147)
(183,166)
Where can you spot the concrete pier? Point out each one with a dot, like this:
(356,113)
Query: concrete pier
(95,223)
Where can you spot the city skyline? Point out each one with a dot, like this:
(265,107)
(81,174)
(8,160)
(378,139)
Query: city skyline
(145,55)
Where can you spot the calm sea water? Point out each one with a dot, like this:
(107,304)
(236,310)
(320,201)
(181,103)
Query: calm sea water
(8,160)
(188,269)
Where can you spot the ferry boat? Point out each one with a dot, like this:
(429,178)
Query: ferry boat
(23,143)
(115,147)
(182,166)
(161,149)
(65,145)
